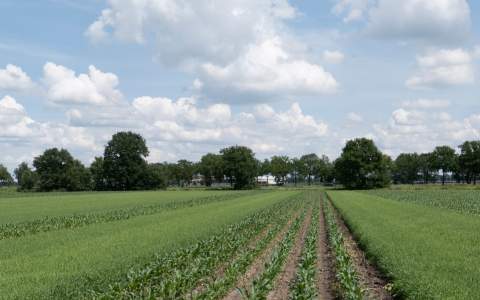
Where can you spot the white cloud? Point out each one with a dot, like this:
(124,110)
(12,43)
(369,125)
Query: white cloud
(352,10)
(95,88)
(421,130)
(239,46)
(14,78)
(445,67)
(354,117)
(426,104)
(333,57)
(439,20)
(268,68)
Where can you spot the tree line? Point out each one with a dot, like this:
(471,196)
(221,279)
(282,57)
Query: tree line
(123,166)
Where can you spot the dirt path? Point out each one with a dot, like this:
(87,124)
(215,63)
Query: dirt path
(287,275)
(258,264)
(370,278)
(325,261)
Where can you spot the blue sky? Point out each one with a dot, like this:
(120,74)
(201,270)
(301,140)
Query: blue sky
(283,77)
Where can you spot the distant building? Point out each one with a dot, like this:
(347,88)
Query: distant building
(266,180)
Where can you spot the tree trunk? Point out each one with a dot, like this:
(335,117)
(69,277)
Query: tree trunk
(443,177)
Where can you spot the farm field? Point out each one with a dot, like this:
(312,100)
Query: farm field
(428,252)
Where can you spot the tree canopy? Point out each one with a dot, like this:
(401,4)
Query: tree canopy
(239,166)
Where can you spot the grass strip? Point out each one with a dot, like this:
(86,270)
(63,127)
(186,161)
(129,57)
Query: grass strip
(16,230)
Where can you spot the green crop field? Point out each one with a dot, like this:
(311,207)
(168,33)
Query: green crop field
(428,252)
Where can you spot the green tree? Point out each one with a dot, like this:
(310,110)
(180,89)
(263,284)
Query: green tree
(26,177)
(280,166)
(444,158)
(98,178)
(406,168)
(295,168)
(310,164)
(265,168)
(211,167)
(5,177)
(184,172)
(469,160)
(155,177)
(239,166)
(362,165)
(124,163)
(427,167)
(57,170)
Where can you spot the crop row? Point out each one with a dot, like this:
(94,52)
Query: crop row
(304,287)
(172,276)
(78,220)
(345,270)
(263,284)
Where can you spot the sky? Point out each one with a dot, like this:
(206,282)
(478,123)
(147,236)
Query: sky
(281,77)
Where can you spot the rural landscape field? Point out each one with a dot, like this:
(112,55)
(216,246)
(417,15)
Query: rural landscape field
(239,149)
(263,244)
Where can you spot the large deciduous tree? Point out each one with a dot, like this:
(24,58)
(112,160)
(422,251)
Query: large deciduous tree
(239,166)
(310,164)
(469,160)
(362,166)
(58,170)
(124,164)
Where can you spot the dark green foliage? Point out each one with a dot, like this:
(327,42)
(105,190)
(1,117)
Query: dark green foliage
(280,167)
(155,177)
(124,164)
(469,161)
(5,177)
(183,172)
(98,178)
(444,158)
(362,165)
(309,166)
(239,166)
(57,170)
(406,168)
(211,167)
(26,178)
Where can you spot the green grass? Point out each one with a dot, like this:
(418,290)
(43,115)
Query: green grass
(429,252)
(462,200)
(56,263)
(18,209)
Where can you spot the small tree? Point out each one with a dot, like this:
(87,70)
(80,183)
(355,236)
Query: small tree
(406,168)
(280,166)
(53,169)
(362,165)
(26,178)
(444,158)
(184,172)
(5,177)
(211,167)
(309,166)
(239,166)
(98,177)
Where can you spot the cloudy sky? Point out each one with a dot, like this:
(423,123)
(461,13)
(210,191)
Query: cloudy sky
(279,76)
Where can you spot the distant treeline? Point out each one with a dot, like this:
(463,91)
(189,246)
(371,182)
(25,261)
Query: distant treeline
(123,166)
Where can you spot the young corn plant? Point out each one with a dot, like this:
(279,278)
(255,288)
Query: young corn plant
(304,287)
(346,274)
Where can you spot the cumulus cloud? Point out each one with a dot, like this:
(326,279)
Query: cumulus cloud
(333,57)
(445,67)
(268,68)
(440,20)
(95,88)
(240,46)
(419,126)
(14,78)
